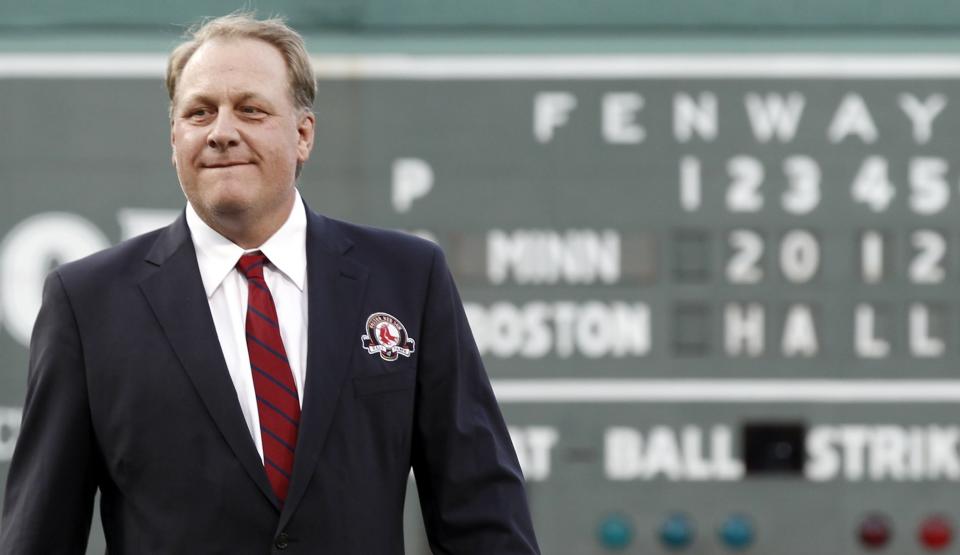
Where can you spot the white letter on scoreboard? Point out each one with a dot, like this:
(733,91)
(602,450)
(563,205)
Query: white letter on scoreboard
(922,114)
(30,249)
(621,452)
(854,440)
(694,117)
(727,466)
(619,109)
(922,344)
(888,453)
(662,456)
(743,329)
(534,445)
(412,179)
(866,342)
(550,111)
(799,332)
(852,118)
(942,444)
(773,115)
(823,462)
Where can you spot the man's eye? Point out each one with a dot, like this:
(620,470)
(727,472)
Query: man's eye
(198,113)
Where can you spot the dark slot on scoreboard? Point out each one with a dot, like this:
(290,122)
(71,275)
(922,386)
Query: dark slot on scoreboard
(774,448)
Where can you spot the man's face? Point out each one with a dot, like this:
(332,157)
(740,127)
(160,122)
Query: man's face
(236,135)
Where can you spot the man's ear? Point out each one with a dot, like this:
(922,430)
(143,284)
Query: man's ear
(173,146)
(305,129)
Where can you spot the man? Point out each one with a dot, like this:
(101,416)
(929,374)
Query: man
(256,377)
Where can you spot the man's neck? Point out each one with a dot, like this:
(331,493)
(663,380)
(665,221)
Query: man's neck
(249,231)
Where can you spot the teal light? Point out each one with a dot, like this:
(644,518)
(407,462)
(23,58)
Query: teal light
(676,532)
(737,532)
(615,532)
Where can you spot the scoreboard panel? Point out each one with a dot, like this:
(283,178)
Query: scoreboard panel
(715,293)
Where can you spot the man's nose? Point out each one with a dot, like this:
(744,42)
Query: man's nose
(223,133)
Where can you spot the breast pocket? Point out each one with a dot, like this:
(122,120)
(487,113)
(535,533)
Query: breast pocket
(398,380)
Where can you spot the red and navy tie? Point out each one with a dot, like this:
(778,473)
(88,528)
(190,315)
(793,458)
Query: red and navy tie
(277,400)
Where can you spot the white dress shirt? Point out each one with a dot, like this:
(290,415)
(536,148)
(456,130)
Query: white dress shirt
(226,287)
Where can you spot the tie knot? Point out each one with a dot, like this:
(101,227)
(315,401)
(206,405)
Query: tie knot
(251,265)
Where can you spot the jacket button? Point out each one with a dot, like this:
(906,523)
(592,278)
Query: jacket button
(282,541)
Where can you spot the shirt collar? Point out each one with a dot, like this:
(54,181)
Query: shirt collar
(286,248)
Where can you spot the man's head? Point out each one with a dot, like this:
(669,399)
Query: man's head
(241,93)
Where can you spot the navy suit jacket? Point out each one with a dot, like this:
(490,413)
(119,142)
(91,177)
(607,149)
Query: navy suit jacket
(128,393)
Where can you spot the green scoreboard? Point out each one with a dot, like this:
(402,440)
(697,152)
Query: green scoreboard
(716,293)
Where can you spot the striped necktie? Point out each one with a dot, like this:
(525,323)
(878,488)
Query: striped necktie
(277,401)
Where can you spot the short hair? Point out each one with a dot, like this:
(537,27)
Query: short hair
(244,25)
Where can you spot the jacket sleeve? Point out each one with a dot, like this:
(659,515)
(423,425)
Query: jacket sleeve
(469,480)
(48,501)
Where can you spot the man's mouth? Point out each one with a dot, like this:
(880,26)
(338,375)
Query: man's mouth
(214,165)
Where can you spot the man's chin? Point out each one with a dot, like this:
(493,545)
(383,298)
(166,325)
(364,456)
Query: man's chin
(230,198)
(232,204)
(232,208)
(222,204)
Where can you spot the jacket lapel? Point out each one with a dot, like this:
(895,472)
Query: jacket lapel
(334,298)
(176,295)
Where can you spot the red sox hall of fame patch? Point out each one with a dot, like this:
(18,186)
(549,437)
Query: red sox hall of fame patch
(387,336)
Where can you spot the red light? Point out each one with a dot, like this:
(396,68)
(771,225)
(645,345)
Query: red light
(874,531)
(936,533)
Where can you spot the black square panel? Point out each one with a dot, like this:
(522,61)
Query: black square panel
(774,448)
